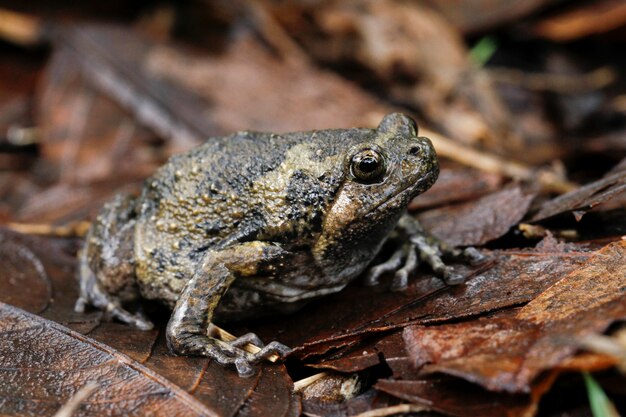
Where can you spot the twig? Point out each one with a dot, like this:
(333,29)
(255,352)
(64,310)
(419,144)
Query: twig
(72,404)
(560,83)
(225,336)
(395,409)
(74,229)
(494,164)
(20,28)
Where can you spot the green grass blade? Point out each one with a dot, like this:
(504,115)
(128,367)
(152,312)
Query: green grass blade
(483,51)
(600,404)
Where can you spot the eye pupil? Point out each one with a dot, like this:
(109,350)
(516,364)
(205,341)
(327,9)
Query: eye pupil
(368,166)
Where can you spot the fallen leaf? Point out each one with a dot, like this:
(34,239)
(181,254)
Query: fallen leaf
(457,184)
(513,278)
(586,197)
(479,221)
(508,351)
(43,364)
(469,17)
(457,398)
(582,20)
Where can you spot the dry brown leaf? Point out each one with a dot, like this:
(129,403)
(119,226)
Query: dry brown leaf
(591,195)
(480,221)
(52,363)
(508,351)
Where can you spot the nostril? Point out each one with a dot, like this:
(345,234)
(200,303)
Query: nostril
(415,150)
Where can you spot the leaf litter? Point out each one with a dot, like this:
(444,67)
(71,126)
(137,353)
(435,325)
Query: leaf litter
(492,346)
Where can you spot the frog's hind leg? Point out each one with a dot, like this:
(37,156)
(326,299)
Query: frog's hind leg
(188,326)
(106,270)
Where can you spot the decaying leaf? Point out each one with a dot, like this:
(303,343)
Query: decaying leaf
(479,221)
(586,197)
(508,351)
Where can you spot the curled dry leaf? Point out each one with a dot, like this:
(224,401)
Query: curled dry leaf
(508,351)
(479,221)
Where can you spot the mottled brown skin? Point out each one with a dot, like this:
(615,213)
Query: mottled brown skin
(256,223)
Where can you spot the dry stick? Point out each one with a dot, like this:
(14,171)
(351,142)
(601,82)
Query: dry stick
(560,83)
(305,382)
(393,410)
(483,161)
(72,404)
(73,229)
(20,28)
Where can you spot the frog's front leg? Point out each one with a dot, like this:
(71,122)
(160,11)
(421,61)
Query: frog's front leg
(417,245)
(188,326)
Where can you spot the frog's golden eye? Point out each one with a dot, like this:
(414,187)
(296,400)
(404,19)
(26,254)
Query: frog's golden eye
(368,166)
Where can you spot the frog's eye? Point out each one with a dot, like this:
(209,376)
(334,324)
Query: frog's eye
(368,166)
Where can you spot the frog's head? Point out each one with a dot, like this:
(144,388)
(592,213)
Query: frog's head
(383,171)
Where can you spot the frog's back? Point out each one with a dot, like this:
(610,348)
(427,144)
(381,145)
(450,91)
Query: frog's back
(218,194)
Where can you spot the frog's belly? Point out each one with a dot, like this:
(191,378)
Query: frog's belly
(240,303)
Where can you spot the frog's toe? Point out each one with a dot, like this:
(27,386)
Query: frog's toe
(227,355)
(473,255)
(373,274)
(272,348)
(250,338)
(401,277)
(244,369)
(138,320)
(80,304)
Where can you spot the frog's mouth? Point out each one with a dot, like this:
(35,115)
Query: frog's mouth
(401,197)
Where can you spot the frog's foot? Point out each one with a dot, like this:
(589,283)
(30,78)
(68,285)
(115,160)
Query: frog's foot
(113,309)
(92,294)
(228,353)
(432,250)
(272,348)
(420,247)
(138,319)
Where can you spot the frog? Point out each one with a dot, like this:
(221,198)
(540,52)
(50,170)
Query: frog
(256,223)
